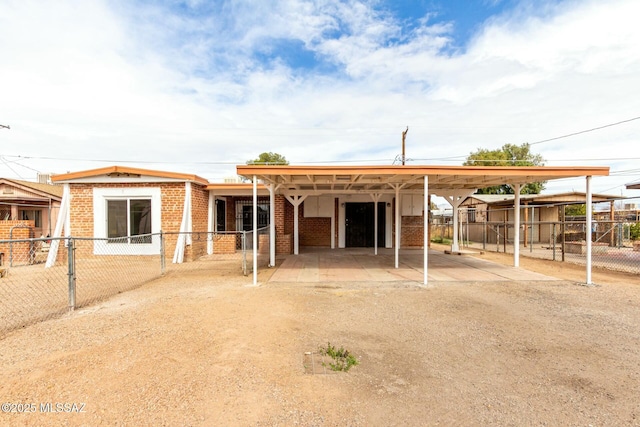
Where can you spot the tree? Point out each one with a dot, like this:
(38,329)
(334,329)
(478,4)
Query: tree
(508,155)
(575,210)
(269,159)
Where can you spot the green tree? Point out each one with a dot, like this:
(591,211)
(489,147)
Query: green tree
(508,155)
(269,159)
(575,210)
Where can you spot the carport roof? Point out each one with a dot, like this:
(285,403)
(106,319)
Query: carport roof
(355,179)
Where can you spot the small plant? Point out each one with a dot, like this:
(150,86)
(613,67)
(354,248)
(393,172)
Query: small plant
(342,359)
(441,240)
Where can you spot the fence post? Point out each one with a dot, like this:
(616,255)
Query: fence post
(244,253)
(163,262)
(71,261)
(484,236)
(553,239)
(563,231)
(620,231)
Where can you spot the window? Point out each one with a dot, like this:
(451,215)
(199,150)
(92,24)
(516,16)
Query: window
(471,215)
(128,218)
(127,221)
(34,215)
(244,214)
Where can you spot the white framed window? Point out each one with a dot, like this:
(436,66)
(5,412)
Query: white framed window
(125,218)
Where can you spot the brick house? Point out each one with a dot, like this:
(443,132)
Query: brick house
(312,206)
(116,204)
(27,210)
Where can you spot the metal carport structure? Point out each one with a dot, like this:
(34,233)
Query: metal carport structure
(454,183)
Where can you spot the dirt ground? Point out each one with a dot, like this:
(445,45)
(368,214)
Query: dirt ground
(202,348)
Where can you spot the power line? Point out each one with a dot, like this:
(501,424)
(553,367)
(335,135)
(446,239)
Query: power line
(585,131)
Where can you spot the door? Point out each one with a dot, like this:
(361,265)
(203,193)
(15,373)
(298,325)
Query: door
(221,215)
(360,223)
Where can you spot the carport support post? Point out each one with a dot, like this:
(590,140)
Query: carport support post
(295,201)
(397,245)
(455,199)
(255,230)
(272,225)
(589,218)
(425,231)
(376,199)
(211,222)
(516,225)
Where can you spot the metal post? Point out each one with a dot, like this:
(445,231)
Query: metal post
(244,252)
(589,219)
(72,274)
(163,261)
(553,238)
(562,230)
(484,236)
(533,212)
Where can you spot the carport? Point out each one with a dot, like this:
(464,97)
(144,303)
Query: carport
(454,183)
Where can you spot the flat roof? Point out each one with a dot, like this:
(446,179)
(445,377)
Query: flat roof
(385,178)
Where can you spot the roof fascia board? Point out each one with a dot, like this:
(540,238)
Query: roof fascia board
(93,173)
(104,179)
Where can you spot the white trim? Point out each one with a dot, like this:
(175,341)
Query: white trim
(100,197)
(212,217)
(516,225)
(255,230)
(63,220)
(184,239)
(589,225)
(425,228)
(104,179)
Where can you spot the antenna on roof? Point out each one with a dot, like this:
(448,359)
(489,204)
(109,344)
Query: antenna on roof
(404,136)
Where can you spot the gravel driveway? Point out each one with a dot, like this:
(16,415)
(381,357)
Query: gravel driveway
(203,348)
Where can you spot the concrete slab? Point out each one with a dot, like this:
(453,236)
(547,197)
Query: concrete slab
(361,265)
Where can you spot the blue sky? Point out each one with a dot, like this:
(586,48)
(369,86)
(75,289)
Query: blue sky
(199,86)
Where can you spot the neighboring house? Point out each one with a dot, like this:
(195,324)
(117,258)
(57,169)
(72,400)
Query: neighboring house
(27,210)
(485,214)
(35,203)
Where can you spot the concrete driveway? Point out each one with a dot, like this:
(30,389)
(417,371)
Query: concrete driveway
(349,265)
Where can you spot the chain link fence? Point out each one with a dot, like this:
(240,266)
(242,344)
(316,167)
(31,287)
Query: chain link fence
(44,278)
(612,246)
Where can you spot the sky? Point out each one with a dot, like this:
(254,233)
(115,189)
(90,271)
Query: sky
(200,86)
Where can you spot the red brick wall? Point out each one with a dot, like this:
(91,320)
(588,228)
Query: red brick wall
(224,244)
(172,199)
(199,222)
(313,231)
(20,252)
(412,234)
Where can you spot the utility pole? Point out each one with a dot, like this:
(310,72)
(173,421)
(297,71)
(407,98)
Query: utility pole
(404,137)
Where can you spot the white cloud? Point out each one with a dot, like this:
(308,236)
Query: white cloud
(98,80)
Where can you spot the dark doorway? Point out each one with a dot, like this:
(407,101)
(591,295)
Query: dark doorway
(360,223)
(221,215)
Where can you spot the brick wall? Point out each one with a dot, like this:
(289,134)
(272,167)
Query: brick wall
(172,199)
(314,231)
(412,234)
(224,244)
(19,252)
(199,221)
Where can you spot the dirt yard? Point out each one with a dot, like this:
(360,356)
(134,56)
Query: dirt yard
(203,348)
